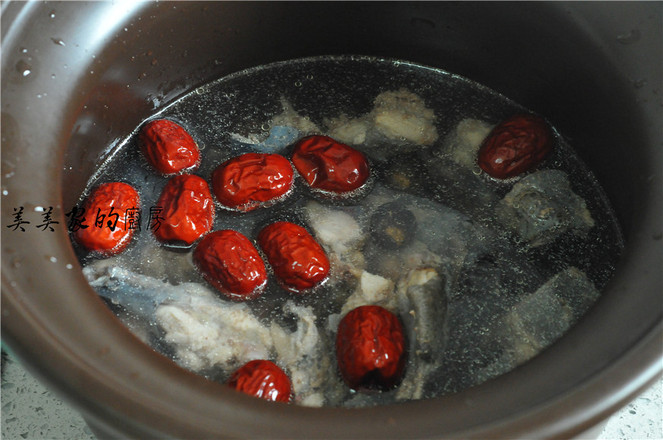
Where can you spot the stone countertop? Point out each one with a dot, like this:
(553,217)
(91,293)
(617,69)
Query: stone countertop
(31,412)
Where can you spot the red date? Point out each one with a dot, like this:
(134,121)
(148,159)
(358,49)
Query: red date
(252,180)
(168,147)
(187,210)
(299,262)
(262,379)
(328,165)
(229,261)
(370,348)
(106,226)
(516,145)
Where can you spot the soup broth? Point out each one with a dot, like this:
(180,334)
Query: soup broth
(483,273)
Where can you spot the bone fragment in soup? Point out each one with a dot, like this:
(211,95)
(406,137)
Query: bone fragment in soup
(540,318)
(543,206)
(209,334)
(399,117)
(463,143)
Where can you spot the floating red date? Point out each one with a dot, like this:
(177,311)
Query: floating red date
(229,261)
(168,147)
(187,210)
(328,165)
(370,348)
(299,262)
(105,227)
(252,180)
(262,379)
(516,145)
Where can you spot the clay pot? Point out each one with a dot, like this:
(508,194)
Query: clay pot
(78,77)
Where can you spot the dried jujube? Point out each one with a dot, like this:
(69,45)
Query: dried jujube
(299,262)
(186,210)
(370,348)
(252,180)
(231,263)
(515,146)
(328,165)
(168,147)
(263,379)
(108,218)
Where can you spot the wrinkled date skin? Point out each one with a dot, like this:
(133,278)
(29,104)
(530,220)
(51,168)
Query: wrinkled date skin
(262,379)
(299,262)
(106,227)
(168,147)
(328,165)
(252,180)
(370,349)
(187,210)
(229,261)
(516,145)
